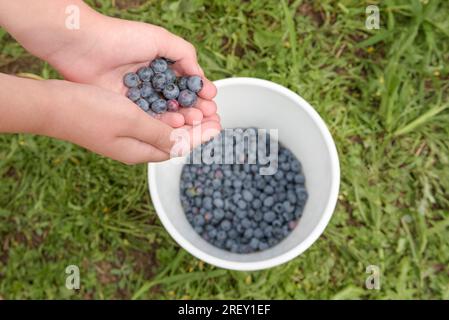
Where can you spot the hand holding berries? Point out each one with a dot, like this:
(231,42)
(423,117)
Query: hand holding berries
(156,85)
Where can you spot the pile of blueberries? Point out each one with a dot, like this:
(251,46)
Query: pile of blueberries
(156,89)
(235,208)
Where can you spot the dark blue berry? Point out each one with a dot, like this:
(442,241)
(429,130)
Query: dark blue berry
(133,94)
(171,91)
(131,80)
(187,98)
(225,225)
(152,97)
(195,83)
(159,81)
(146,90)
(182,83)
(269,216)
(159,106)
(159,65)
(143,104)
(145,73)
(170,76)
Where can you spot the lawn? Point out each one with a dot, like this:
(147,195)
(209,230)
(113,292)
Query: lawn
(383,94)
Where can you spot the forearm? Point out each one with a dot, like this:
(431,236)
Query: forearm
(24,105)
(41,26)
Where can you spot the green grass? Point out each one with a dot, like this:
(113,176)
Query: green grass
(384,96)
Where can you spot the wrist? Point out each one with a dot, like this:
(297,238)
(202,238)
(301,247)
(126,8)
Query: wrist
(24,105)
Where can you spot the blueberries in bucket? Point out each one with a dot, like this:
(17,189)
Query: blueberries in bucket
(233,205)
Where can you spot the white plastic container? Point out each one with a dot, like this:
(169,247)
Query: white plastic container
(249,102)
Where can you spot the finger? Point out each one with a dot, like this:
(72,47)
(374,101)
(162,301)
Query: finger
(152,131)
(176,48)
(209,90)
(204,132)
(132,151)
(173,119)
(191,115)
(207,107)
(188,137)
(215,117)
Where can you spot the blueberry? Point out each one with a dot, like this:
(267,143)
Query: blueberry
(248,233)
(172,105)
(225,225)
(171,91)
(257,204)
(187,98)
(254,243)
(232,234)
(195,83)
(269,216)
(146,90)
(219,203)
(133,94)
(263,245)
(159,65)
(170,76)
(241,204)
(152,97)
(268,201)
(159,106)
(240,214)
(145,73)
(159,81)
(246,223)
(258,233)
(295,165)
(247,195)
(237,184)
(182,83)
(198,220)
(276,223)
(218,214)
(143,104)
(131,80)
(300,179)
(278,208)
(221,235)
(212,233)
(268,231)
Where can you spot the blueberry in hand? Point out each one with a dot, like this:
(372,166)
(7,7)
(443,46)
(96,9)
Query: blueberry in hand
(159,81)
(170,75)
(159,65)
(182,83)
(131,80)
(152,97)
(195,83)
(146,90)
(187,98)
(133,93)
(159,106)
(145,73)
(143,104)
(171,91)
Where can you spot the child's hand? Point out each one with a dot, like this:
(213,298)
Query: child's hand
(100,120)
(116,47)
(110,124)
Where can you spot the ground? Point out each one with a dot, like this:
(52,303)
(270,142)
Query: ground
(383,94)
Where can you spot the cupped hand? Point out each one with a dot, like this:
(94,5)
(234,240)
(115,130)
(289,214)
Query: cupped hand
(108,123)
(111,47)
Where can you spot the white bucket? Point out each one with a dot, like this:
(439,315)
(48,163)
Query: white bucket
(249,102)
